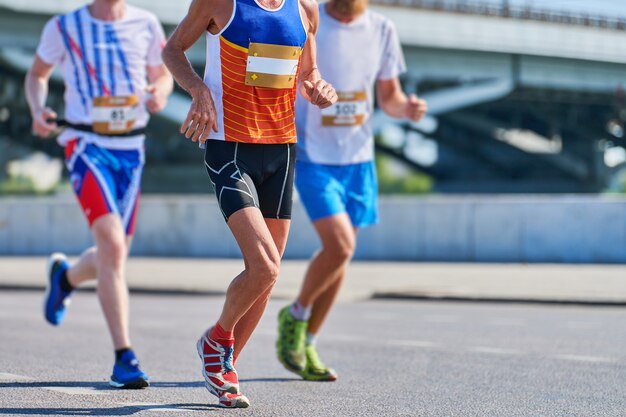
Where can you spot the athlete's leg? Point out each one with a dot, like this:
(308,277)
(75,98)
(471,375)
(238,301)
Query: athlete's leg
(110,260)
(85,268)
(328,265)
(326,269)
(279,229)
(262,263)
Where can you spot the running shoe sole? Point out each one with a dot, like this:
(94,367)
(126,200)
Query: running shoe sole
(240,402)
(329,377)
(136,384)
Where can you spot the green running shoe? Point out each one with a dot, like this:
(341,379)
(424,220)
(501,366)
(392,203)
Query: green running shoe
(315,369)
(291,341)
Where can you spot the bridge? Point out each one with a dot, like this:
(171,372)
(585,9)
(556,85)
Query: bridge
(522,99)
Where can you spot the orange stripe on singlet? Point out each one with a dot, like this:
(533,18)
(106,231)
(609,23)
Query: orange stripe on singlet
(253,114)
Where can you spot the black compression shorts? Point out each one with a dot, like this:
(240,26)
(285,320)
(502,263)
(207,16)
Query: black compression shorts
(252,175)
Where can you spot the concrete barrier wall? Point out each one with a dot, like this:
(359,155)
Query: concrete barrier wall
(484,228)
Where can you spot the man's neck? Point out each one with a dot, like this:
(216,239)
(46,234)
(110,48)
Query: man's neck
(107,9)
(342,17)
(271,4)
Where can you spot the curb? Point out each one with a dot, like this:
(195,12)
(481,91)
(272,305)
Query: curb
(390,296)
(498,300)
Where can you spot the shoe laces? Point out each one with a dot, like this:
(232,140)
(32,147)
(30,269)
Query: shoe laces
(296,335)
(228,359)
(130,364)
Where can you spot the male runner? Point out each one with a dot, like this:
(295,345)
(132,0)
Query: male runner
(336,178)
(110,58)
(243,114)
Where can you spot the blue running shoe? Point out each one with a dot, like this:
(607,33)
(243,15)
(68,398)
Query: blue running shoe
(56,300)
(126,373)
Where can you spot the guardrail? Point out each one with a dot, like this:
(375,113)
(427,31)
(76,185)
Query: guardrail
(504,10)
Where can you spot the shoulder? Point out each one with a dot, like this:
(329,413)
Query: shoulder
(311,10)
(138,13)
(53,25)
(378,21)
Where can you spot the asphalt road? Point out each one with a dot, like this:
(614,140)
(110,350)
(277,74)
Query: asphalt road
(394,358)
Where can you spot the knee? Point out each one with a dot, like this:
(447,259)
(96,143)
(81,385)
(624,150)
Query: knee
(341,250)
(112,249)
(268,270)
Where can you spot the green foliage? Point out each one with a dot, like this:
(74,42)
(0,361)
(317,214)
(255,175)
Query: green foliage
(408,182)
(24,186)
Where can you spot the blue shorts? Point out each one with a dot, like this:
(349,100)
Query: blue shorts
(105,181)
(327,190)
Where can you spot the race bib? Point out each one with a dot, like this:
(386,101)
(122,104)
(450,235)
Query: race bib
(272,66)
(114,114)
(349,110)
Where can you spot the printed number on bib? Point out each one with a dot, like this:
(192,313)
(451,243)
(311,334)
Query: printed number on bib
(349,110)
(114,115)
(272,66)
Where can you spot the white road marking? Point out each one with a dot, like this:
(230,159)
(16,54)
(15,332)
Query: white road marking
(435,345)
(157,407)
(12,377)
(76,390)
(582,358)
(492,350)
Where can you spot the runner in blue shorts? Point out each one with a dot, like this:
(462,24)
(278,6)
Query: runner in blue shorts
(358,51)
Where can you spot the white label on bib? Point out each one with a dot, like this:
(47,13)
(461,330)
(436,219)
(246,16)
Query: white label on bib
(114,114)
(349,110)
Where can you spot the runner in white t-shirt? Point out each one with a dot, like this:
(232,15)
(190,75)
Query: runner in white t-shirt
(110,56)
(358,52)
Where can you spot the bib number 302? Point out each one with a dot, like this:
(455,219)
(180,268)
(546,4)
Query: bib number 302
(350,110)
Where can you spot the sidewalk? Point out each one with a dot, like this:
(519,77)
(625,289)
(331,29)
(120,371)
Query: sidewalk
(592,284)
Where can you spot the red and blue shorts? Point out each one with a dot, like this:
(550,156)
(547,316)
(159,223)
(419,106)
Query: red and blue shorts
(105,180)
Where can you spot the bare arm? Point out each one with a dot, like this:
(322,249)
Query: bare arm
(160,87)
(189,30)
(202,116)
(36,87)
(396,104)
(312,86)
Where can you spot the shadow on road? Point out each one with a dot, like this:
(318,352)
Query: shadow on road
(112,411)
(97,386)
(270,380)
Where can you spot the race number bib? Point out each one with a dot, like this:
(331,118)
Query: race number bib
(272,66)
(114,114)
(349,110)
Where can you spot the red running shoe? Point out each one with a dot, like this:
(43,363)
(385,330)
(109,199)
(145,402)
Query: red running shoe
(217,365)
(228,399)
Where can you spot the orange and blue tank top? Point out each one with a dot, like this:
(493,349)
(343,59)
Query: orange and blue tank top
(251,69)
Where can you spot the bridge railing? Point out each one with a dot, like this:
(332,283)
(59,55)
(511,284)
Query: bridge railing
(505,10)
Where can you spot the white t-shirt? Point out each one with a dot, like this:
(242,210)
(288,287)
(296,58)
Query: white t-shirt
(100,58)
(352,57)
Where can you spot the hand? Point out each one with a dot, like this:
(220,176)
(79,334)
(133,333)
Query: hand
(156,100)
(321,93)
(415,108)
(202,117)
(43,122)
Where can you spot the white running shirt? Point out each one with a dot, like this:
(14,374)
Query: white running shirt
(100,58)
(351,57)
